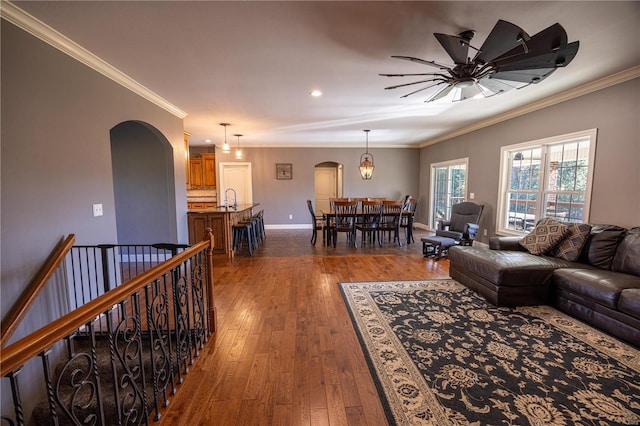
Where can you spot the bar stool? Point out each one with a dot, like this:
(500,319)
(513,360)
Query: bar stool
(242,230)
(260,234)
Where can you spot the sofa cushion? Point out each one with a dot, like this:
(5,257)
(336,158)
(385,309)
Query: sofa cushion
(627,258)
(571,245)
(629,302)
(546,234)
(601,245)
(601,286)
(506,268)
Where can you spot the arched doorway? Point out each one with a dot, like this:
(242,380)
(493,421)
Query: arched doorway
(143,184)
(328,183)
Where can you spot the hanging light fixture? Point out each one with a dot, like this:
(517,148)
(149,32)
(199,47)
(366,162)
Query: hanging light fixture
(238,152)
(225,148)
(366,161)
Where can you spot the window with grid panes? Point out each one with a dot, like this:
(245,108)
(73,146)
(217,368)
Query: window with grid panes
(448,187)
(546,178)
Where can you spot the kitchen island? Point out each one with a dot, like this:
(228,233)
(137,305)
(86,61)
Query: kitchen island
(219,219)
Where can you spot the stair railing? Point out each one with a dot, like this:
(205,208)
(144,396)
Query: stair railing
(125,351)
(29,295)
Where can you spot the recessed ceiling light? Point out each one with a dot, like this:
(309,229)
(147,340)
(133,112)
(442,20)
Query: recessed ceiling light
(315,93)
(207,140)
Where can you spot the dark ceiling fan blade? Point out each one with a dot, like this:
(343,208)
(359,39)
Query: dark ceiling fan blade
(421,89)
(441,94)
(532,76)
(439,80)
(422,61)
(548,40)
(457,47)
(503,37)
(538,59)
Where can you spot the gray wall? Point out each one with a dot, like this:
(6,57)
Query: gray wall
(394,176)
(56,160)
(614,111)
(143,182)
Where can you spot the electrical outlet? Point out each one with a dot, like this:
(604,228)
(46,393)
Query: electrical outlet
(485,232)
(97,210)
(290,216)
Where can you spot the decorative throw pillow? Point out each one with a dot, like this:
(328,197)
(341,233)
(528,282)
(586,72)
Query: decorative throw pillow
(544,236)
(571,246)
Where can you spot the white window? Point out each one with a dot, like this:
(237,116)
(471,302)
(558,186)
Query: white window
(546,178)
(448,187)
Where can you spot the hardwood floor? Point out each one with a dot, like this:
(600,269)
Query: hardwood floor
(285,352)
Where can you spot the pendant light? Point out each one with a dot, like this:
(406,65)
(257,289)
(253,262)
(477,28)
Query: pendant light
(225,148)
(238,152)
(366,161)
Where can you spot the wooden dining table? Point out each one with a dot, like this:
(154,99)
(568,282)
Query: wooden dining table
(326,215)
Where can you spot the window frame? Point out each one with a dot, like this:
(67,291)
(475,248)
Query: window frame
(544,144)
(433,166)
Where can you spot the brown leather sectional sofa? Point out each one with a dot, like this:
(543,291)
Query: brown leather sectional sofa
(601,288)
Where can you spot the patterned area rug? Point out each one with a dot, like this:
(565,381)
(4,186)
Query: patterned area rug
(442,355)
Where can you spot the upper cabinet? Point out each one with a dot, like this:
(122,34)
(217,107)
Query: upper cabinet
(202,171)
(209,170)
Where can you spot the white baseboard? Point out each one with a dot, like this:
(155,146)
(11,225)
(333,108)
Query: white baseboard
(285,226)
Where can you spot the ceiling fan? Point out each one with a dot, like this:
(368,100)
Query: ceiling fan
(508,59)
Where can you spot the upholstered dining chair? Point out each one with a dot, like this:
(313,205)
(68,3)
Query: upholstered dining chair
(318,223)
(343,219)
(463,224)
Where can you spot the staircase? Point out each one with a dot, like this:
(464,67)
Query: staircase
(120,354)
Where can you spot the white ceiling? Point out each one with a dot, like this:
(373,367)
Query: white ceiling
(253,64)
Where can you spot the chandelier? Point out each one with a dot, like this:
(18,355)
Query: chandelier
(366,161)
(238,152)
(225,148)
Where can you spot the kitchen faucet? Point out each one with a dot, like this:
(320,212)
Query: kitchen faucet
(235,198)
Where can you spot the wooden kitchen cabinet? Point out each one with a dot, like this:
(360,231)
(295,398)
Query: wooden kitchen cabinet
(192,205)
(209,171)
(197,224)
(195,172)
(203,172)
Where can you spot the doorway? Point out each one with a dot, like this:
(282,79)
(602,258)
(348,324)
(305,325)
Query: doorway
(143,184)
(328,184)
(237,177)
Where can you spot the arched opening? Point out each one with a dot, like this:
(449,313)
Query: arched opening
(143,184)
(328,183)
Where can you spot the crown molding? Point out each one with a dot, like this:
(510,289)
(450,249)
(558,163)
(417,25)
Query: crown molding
(44,32)
(576,92)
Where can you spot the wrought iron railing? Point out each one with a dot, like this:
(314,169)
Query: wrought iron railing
(141,315)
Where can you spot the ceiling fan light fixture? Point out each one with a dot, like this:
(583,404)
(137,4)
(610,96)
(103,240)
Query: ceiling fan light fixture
(366,161)
(465,82)
(225,147)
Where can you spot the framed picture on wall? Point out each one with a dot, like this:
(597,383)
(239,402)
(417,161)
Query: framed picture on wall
(284,171)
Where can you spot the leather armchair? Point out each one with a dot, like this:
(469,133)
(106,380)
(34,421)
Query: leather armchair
(463,224)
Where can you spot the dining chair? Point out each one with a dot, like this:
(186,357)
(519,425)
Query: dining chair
(343,219)
(408,214)
(318,223)
(370,221)
(391,219)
